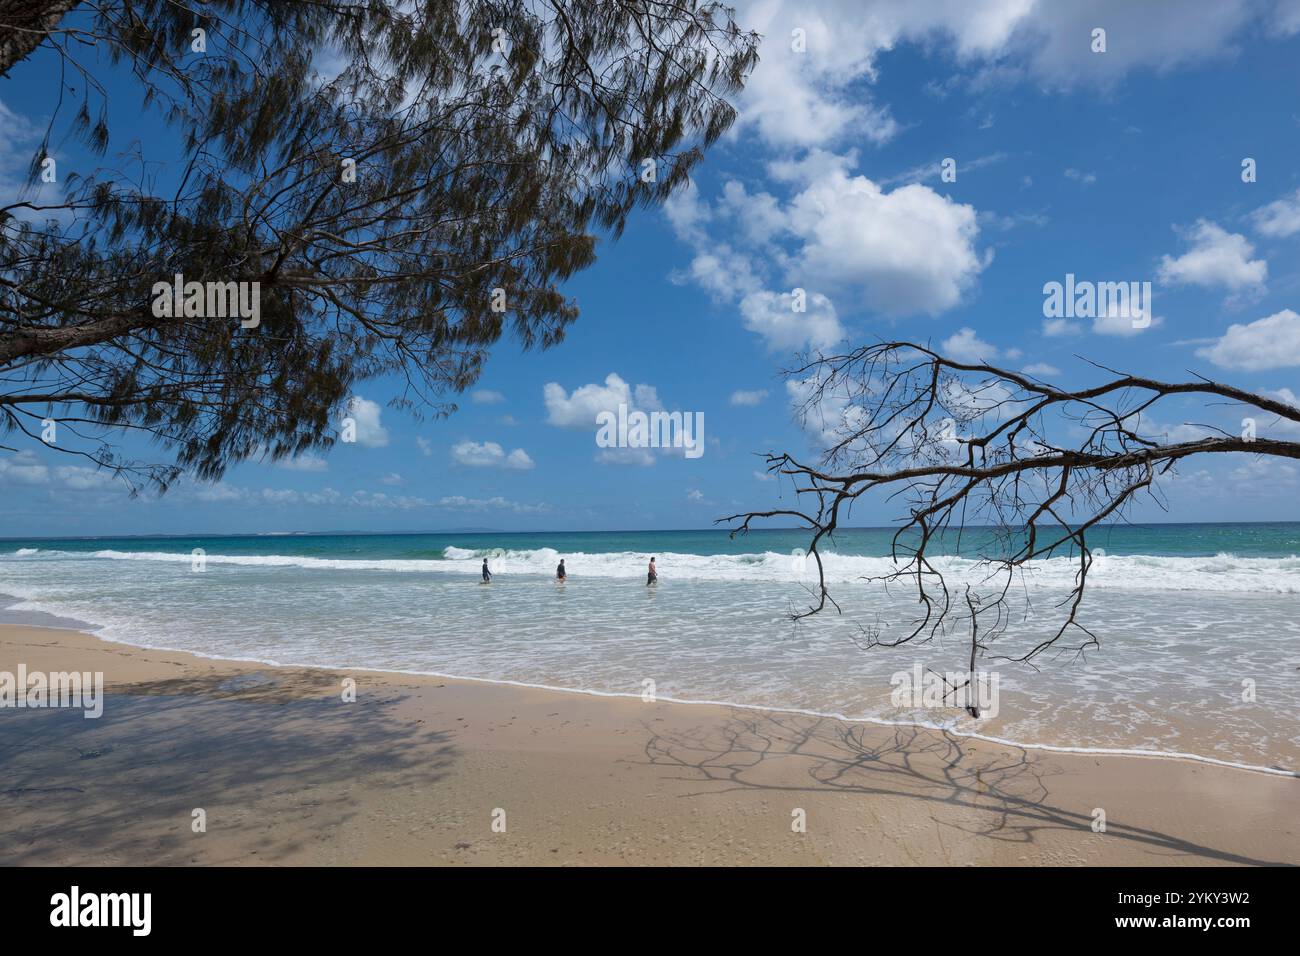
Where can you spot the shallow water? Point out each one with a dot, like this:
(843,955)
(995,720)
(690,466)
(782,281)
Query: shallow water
(1184,638)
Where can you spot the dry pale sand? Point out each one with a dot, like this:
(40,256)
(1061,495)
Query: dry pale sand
(413,771)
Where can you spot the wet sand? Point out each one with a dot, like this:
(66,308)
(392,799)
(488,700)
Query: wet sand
(424,770)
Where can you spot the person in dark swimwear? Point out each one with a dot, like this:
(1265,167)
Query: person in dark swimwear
(559,571)
(652,576)
(487,575)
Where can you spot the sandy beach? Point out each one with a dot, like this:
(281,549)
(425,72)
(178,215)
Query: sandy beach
(417,770)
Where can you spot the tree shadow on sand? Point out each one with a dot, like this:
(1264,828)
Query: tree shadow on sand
(1004,790)
(255,751)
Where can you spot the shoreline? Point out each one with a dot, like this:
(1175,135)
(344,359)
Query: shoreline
(92,630)
(596,779)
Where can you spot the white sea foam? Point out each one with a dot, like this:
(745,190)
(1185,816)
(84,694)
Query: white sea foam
(1168,679)
(1221,572)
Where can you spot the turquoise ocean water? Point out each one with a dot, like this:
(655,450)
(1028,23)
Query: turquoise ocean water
(1197,624)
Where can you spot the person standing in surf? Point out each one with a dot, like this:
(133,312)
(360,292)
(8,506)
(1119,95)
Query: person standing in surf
(652,576)
(487,575)
(559,571)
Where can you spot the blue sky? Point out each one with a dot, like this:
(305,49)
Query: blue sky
(1123,165)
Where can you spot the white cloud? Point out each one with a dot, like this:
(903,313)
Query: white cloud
(461,503)
(518,460)
(489,455)
(1058,328)
(625,456)
(219,492)
(748,398)
(1114,323)
(722,272)
(486,396)
(758,215)
(370,432)
(1285,395)
(823,94)
(27,468)
(817,96)
(580,409)
(1286,17)
(904,252)
(1148,427)
(426,446)
(1270,342)
(1280,218)
(1276,424)
(81,479)
(20,140)
(24,468)
(772,315)
(965,346)
(1160,35)
(836,415)
(392,479)
(1041,369)
(303,463)
(1081,177)
(373,499)
(687,213)
(1217,258)
(933,169)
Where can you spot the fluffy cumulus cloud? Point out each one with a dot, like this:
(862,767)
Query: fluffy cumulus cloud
(1217,259)
(903,252)
(818,55)
(1116,321)
(819,58)
(370,432)
(580,408)
(1270,342)
(965,346)
(1280,218)
(489,454)
(837,237)
(788,322)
